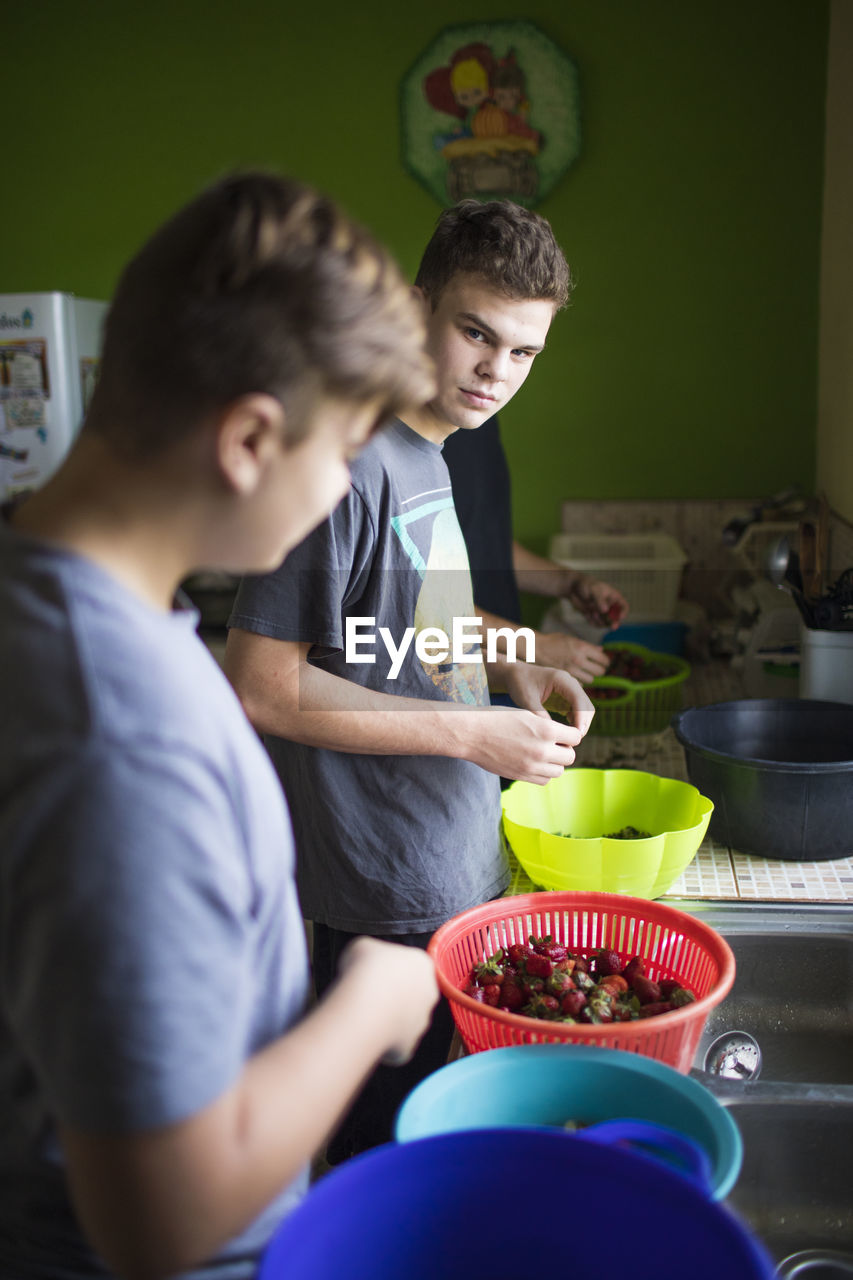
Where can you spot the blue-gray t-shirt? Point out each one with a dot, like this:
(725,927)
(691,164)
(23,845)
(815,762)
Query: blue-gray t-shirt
(387,844)
(151,939)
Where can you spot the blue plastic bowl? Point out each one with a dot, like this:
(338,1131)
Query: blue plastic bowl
(501,1203)
(550,1084)
(661,637)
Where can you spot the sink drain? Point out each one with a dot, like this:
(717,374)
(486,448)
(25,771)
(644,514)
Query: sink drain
(816,1264)
(734,1056)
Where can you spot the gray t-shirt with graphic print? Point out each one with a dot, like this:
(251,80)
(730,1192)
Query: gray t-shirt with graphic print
(386,844)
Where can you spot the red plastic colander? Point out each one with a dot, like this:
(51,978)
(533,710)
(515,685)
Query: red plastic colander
(672,943)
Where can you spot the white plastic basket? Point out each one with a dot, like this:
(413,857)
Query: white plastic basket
(645,567)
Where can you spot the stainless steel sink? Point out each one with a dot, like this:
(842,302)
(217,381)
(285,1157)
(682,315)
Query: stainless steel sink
(796,1185)
(793,991)
(793,994)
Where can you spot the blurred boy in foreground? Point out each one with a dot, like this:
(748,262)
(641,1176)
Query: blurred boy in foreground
(161,1088)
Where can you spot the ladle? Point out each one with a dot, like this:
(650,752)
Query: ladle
(783,569)
(778,560)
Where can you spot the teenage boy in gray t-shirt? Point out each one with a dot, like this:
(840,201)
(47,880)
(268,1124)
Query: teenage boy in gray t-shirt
(386,744)
(162,1088)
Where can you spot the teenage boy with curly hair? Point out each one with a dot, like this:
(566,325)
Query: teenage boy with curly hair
(390,750)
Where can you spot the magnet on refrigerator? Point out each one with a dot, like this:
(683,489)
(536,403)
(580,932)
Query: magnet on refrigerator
(49,351)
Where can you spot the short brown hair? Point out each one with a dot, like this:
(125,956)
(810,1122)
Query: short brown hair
(258,285)
(508,246)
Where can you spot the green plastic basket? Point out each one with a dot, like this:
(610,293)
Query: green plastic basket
(642,707)
(558,832)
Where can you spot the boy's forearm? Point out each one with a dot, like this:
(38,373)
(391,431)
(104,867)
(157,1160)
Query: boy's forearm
(157,1203)
(284,695)
(542,577)
(378,724)
(287,697)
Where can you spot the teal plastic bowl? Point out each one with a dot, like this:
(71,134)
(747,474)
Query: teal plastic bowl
(548,1085)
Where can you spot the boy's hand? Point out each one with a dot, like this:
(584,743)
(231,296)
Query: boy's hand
(521,744)
(396,980)
(600,604)
(580,659)
(524,742)
(543,689)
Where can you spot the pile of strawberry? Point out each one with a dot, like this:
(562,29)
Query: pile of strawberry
(633,666)
(542,979)
(607,692)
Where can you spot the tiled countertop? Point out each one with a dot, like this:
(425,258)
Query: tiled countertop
(716,872)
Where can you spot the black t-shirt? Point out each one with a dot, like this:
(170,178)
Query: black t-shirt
(479,475)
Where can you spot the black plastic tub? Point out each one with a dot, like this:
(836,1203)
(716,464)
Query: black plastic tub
(779,771)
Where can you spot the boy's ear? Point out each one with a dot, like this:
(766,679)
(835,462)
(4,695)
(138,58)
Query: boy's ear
(250,436)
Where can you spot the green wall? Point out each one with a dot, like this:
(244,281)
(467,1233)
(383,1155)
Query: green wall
(686,365)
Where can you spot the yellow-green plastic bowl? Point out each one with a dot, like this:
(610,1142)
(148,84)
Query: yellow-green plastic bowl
(589,803)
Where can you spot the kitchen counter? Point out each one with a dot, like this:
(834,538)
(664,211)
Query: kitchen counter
(717,872)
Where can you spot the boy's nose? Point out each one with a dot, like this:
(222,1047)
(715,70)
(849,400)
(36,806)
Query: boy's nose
(494,366)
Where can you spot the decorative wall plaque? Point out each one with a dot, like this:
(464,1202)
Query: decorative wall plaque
(490,110)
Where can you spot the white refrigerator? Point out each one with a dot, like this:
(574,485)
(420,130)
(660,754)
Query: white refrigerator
(49,351)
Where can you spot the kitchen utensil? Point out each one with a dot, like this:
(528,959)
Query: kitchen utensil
(535,1084)
(783,569)
(812,584)
(672,943)
(753,548)
(793,577)
(556,1204)
(629,706)
(831,615)
(777,560)
(779,772)
(822,523)
(834,611)
(559,831)
(806,605)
